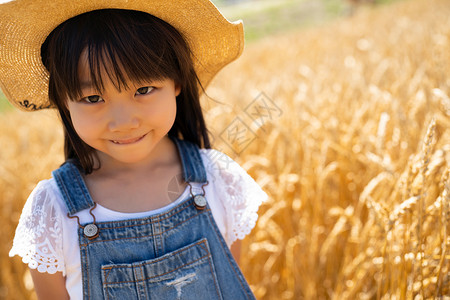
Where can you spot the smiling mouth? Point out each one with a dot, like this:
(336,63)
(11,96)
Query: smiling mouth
(128,141)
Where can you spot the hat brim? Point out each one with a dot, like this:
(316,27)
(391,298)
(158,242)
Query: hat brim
(25,24)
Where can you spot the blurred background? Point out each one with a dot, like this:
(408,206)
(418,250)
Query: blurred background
(340,110)
(269,17)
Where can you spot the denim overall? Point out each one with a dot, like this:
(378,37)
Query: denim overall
(177,254)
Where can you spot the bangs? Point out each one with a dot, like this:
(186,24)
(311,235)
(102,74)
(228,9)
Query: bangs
(119,68)
(127,46)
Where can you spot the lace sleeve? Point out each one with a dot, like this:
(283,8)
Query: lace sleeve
(38,238)
(240,195)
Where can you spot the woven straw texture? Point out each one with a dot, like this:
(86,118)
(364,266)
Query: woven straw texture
(25,24)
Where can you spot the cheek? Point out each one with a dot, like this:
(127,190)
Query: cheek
(163,115)
(82,124)
(78,125)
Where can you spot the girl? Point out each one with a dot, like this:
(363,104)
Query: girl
(116,221)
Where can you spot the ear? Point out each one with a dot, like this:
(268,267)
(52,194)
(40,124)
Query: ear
(177,89)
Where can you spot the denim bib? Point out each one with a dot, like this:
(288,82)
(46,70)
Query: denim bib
(177,254)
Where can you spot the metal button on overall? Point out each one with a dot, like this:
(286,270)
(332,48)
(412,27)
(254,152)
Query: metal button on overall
(90,231)
(200,202)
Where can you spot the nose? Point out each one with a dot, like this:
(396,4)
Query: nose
(124,116)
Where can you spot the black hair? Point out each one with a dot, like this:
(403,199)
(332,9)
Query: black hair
(128,45)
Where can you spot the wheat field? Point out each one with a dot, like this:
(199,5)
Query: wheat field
(346,127)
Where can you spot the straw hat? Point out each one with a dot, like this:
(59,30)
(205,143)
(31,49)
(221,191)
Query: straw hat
(25,24)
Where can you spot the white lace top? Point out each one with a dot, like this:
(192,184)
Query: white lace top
(47,240)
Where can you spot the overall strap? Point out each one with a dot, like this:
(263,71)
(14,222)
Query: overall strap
(193,168)
(72,187)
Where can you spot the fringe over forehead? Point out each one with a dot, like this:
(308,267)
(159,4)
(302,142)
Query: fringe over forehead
(128,46)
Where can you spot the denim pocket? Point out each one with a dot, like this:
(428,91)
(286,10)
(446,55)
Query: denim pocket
(187,273)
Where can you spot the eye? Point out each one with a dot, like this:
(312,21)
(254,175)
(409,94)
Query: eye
(144,90)
(92,99)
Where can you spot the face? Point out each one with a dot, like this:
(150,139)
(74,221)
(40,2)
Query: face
(123,126)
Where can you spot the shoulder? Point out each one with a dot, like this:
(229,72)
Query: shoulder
(44,207)
(47,186)
(223,170)
(45,196)
(219,164)
(236,191)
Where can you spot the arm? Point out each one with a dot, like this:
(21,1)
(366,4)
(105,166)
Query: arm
(49,286)
(236,251)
